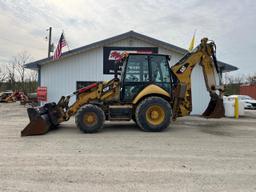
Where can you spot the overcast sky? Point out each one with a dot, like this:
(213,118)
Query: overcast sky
(230,23)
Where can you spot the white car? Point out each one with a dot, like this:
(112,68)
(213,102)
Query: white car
(249,103)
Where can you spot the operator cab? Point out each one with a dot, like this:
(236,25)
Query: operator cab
(141,70)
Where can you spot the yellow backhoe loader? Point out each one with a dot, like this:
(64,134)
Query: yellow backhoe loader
(148,91)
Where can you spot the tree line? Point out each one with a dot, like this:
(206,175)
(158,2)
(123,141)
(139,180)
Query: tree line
(14,76)
(232,82)
(249,79)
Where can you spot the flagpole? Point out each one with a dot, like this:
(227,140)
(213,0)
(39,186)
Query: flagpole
(49,41)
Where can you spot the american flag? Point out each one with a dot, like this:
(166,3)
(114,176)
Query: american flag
(61,43)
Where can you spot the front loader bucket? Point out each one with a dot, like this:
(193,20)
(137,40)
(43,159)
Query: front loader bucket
(37,126)
(215,108)
(39,121)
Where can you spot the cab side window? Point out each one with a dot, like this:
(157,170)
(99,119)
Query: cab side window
(160,72)
(160,69)
(136,76)
(137,69)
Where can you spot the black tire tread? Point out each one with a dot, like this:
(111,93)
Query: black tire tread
(80,113)
(142,104)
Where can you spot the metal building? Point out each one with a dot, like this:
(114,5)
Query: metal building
(94,62)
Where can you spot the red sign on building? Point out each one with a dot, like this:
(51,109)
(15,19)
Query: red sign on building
(42,94)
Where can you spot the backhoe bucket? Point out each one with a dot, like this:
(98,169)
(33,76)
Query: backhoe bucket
(42,120)
(215,108)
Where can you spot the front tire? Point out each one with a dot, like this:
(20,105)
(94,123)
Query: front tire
(153,114)
(90,118)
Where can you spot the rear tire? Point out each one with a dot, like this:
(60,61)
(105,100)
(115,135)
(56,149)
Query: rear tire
(153,114)
(90,118)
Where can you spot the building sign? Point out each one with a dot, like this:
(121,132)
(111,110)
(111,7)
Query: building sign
(113,54)
(42,94)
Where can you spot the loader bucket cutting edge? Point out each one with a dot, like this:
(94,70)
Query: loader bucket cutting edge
(215,109)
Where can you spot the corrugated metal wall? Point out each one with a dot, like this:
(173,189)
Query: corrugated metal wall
(200,96)
(61,76)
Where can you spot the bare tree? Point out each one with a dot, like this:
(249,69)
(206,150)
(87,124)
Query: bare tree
(11,73)
(2,76)
(251,79)
(32,75)
(19,61)
(226,78)
(234,79)
(239,79)
(18,77)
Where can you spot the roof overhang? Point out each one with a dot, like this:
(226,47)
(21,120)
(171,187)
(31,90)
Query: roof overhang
(131,34)
(224,67)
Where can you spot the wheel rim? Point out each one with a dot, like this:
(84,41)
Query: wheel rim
(90,118)
(155,114)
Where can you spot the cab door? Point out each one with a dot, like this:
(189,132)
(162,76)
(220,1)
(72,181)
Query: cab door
(160,71)
(136,76)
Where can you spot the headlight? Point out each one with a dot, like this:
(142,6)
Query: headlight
(248,104)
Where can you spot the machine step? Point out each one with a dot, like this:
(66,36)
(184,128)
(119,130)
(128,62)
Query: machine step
(120,112)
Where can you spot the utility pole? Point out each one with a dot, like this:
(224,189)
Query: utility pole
(50,42)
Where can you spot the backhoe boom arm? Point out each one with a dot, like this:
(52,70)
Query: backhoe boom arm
(204,55)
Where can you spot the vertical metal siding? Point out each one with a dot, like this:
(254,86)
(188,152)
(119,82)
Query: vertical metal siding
(60,77)
(200,96)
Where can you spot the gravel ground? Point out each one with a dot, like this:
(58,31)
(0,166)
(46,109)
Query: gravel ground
(194,154)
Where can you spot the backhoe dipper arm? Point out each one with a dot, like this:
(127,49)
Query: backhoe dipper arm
(204,55)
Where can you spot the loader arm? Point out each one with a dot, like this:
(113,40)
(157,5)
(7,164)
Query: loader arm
(95,92)
(50,115)
(204,55)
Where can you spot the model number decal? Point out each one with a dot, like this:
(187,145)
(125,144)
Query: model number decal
(182,68)
(105,89)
